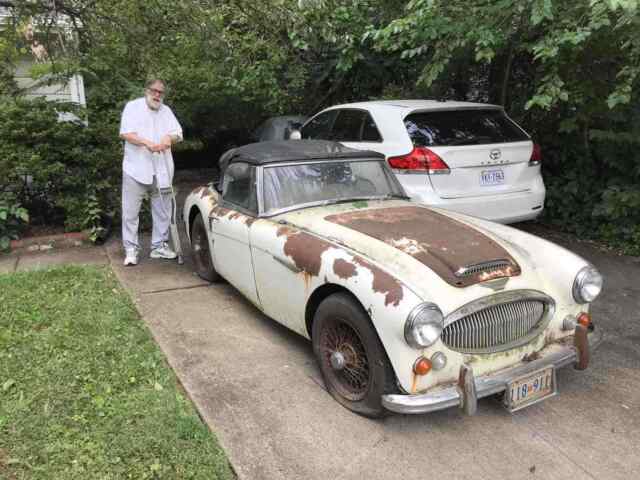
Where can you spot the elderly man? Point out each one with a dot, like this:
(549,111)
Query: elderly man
(148,128)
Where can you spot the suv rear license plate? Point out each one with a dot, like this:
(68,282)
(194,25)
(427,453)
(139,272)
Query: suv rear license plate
(529,389)
(491,177)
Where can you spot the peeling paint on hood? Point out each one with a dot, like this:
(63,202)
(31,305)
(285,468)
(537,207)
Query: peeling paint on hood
(459,254)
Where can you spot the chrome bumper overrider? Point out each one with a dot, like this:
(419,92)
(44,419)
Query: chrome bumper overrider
(466,392)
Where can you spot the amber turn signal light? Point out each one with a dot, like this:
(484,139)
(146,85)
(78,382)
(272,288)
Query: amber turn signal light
(584,319)
(422,366)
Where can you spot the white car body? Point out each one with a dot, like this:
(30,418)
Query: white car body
(287,262)
(518,197)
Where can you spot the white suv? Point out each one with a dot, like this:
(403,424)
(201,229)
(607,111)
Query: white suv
(467,157)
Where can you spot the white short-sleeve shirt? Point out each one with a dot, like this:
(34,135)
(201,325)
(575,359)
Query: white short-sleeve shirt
(152,125)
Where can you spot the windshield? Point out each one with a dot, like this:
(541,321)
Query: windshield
(287,186)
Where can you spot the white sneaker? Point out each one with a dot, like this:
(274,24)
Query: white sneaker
(163,252)
(131,257)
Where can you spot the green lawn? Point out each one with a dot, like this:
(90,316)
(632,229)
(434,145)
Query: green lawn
(84,390)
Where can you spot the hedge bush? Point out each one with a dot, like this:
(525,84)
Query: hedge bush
(62,172)
(13,218)
(593,186)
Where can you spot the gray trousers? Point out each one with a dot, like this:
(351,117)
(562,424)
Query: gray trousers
(133,192)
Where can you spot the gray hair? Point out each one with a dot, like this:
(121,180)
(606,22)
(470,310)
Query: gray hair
(154,81)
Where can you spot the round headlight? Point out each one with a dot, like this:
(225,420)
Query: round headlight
(424,325)
(587,285)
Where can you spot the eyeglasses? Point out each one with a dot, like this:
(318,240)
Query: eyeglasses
(156,91)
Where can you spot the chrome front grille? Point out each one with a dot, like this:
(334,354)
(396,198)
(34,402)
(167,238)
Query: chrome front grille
(497,323)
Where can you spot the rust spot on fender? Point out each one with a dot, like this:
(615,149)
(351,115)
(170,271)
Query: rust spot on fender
(497,273)
(284,230)
(220,211)
(530,357)
(383,283)
(414,383)
(441,243)
(206,192)
(306,278)
(550,337)
(344,269)
(581,342)
(233,215)
(305,250)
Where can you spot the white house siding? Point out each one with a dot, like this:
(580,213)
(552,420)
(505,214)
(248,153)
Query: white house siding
(71,91)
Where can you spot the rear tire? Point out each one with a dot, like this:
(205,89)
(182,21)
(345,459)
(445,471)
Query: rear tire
(201,251)
(353,362)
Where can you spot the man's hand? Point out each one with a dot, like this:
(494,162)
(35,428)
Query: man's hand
(165,143)
(136,139)
(156,147)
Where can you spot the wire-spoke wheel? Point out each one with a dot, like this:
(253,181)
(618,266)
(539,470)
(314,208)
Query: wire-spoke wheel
(352,360)
(201,251)
(345,359)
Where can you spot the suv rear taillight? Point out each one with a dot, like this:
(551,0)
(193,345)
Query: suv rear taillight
(420,160)
(536,155)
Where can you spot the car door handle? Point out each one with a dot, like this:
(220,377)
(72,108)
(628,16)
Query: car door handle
(288,265)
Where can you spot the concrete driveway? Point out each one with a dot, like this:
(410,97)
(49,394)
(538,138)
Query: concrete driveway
(257,385)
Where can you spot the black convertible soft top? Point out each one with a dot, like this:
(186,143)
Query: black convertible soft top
(262,153)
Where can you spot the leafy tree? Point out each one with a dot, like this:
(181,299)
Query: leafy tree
(568,71)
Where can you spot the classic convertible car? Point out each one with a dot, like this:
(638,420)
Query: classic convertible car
(409,309)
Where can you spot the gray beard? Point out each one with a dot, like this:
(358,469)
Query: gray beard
(152,105)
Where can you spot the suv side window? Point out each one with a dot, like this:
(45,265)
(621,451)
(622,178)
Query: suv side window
(355,126)
(239,186)
(319,127)
(348,126)
(370,131)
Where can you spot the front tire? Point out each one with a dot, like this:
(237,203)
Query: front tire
(201,251)
(353,362)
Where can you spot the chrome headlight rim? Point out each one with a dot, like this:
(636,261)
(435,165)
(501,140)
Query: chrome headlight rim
(425,318)
(586,275)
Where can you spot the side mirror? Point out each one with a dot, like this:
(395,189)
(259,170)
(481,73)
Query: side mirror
(295,135)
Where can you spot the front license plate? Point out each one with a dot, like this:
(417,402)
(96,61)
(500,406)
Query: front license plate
(491,177)
(530,389)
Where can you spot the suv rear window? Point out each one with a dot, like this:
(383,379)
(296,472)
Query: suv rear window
(462,127)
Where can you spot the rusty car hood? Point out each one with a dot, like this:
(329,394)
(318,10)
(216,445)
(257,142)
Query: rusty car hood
(396,234)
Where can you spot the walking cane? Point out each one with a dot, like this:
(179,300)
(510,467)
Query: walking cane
(173,228)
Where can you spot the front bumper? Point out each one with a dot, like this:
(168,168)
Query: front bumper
(469,389)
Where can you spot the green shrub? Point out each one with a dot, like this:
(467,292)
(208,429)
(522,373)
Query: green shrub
(593,187)
(618,215)
(13,217)
(63,171)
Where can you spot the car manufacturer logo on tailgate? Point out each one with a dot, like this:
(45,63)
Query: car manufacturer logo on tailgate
(495,154)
